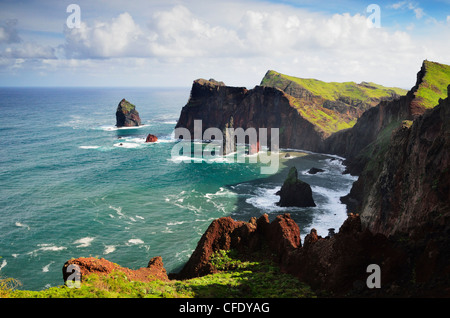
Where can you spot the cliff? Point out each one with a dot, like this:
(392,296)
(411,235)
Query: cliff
(305,115)
(412,191)
(365,145)
(127,115)
(370,135)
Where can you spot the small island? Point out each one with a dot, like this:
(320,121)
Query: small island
(127,115)
(295,192)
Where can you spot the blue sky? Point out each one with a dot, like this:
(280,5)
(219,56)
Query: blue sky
(173,42)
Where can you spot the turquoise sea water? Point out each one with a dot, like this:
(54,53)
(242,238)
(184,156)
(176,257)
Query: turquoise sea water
(72,185)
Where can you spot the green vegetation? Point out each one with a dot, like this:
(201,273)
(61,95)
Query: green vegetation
(327,120)
(333,90)
(434,84)
(237,277)
(345,100)
(126,105)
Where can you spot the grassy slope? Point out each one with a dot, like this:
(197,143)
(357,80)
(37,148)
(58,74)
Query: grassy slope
(237,277)
(433,87)
(434,84)
(328,120)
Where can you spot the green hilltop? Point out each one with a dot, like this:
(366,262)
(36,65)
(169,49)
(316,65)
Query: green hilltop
(333,90)
(434,84)
(331,106)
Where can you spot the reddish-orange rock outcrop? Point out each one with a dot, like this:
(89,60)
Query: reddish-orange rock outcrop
(151,138)
(89,265)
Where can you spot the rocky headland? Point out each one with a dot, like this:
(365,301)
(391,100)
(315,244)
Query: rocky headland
(305,112)
(399,147)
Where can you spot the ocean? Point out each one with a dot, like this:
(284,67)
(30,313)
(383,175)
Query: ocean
(73,185)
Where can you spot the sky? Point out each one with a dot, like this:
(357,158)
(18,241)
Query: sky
(170,43)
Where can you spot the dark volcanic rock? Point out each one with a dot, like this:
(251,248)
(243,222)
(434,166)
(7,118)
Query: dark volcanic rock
(127,115)
(314,170)
(261,107)
(295,192)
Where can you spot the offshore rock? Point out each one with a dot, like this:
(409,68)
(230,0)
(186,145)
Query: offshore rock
(295,192)
(151,138)
(127,115)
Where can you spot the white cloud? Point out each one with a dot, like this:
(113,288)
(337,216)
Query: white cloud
(237,42)
(8,32)
(419,13)
(119,37)
(28,50)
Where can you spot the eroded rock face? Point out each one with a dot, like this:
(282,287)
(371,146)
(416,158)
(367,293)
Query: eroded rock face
(282,235)
(413,189)
(260,107)
(127,115)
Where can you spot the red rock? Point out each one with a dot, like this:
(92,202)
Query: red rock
(90,265)
(151,138)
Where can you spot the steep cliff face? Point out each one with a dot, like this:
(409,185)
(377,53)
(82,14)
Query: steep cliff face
(262,107)
(373,130)
(306,112)
(413,189)
(366,144)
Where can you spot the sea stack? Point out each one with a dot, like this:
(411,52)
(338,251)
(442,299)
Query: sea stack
(127,115)
(295,192)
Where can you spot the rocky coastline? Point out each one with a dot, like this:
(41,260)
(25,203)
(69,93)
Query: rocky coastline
(400,202)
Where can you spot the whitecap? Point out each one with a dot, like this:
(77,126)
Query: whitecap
(114,128)
(222,192)
(336,211)
(118,210)
(127,145)
(109,249)
(46,248)
(46,268)
(139,217)
(89,147)
(84,242)
(22,225)
(50,247)
(176,223)
(265,199)
(135,241)
(4,263)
